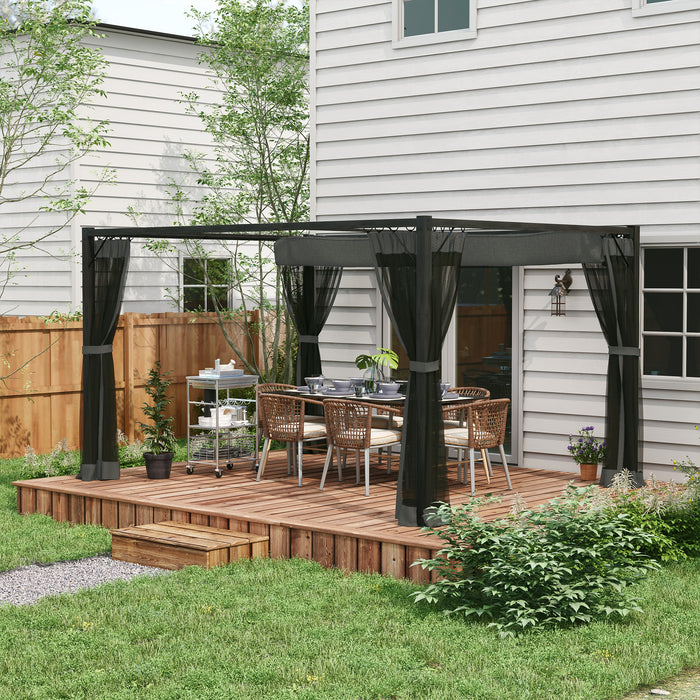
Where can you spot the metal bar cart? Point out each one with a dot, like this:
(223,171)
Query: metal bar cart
(221,429)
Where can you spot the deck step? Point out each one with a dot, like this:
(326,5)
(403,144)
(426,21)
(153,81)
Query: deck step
(172,545)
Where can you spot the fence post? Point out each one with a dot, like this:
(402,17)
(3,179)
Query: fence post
(128,344)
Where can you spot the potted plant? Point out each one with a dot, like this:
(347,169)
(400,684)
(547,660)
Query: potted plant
(373,366)
(160,438)
(587,451)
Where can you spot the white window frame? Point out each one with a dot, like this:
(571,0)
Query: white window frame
(651,381)
(642,8)
(184,286)
(399,41)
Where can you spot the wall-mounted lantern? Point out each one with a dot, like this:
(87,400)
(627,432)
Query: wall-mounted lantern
(559,292)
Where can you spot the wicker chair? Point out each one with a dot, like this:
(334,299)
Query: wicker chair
(268,388)
(349,427)
(283,419)
(452,415)
(485,429)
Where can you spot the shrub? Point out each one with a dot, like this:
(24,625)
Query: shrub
(568,563)
(670,511)
(130,453)
(59,462)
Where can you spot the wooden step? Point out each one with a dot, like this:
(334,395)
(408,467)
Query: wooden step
(172,545)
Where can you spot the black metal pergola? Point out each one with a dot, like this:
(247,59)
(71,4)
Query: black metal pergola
(417,262)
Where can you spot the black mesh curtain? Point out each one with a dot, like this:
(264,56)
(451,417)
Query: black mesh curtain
(105,264)
(309,293)
(614,289)
(418,273)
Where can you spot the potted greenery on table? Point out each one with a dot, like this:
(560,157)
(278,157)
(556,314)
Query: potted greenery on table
(160,437)
(373,366)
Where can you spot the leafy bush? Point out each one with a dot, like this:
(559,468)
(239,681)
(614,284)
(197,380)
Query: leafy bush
(59,462)
(568,563)
(130,453)
(670,511)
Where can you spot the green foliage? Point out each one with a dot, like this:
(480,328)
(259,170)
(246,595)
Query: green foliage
(571,562)
(384,357)
(130,453)
(257,54)
(159,433)
(584,448)
(59,462)
(668,510)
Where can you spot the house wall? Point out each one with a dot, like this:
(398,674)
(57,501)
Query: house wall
(561,112)
(149,132)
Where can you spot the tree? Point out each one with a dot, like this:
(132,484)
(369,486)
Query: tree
(49,77)
(257,54)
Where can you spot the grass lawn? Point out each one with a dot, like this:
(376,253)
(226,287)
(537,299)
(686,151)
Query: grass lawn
(290,629)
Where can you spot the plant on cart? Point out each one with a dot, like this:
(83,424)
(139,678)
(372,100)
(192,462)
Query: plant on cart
(160,437)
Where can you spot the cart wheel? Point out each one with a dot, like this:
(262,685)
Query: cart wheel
(218,474)
(189,469)
(229,466)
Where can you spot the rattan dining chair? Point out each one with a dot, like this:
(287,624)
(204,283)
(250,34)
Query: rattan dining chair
(485,429)
(268,388)
(349,427)
(452,416)
(283,420)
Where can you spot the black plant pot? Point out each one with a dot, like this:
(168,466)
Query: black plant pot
(158,466)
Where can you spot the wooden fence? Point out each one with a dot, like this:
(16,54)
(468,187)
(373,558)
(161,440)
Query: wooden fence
(41,404)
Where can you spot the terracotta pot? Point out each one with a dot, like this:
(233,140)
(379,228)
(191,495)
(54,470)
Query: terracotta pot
(589,472)
(158,466)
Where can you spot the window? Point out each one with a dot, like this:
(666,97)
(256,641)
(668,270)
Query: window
(642,8)
(671,316)
(205,283)
(429,16)
(429,21)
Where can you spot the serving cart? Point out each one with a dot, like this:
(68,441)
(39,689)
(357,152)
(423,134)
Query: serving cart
(222,430)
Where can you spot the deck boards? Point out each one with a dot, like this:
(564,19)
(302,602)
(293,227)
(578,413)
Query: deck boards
(338,526)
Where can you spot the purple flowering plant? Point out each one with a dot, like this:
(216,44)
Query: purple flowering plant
(584,448)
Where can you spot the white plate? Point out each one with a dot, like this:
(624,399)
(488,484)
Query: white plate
(387,397)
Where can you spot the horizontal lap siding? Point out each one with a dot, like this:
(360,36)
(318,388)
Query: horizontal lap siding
(558,112)
(150,132)
(351,328)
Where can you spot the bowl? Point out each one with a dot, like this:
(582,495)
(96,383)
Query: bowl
(389,387)
(341,384)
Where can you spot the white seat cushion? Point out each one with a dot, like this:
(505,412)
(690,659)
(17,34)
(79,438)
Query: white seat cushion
(459,437)
(381,436)
(384,421)
(310,429)
(313,429)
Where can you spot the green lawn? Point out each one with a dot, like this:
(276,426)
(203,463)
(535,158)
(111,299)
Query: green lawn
(290,629)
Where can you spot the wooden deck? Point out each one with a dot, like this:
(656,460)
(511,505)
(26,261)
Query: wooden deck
(338,526)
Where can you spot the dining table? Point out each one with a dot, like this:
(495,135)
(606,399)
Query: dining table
(394,401)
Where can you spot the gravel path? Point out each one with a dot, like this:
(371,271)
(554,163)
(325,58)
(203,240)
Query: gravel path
(28,584)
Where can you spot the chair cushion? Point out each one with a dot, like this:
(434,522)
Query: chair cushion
(382,436)
(313,429)
(310,429)
(459,437)
(383,421)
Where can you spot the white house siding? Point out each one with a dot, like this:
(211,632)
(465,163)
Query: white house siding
(149,132)
(563,112)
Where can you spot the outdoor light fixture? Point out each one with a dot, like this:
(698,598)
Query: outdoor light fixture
(559,292)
